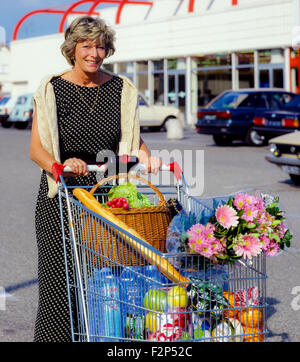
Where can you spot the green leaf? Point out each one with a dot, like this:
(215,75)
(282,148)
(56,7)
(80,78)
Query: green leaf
(274,204)
(276,222)
(276,237)
(251,226)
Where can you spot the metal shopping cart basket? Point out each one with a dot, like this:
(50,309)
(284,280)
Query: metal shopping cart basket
(160,296)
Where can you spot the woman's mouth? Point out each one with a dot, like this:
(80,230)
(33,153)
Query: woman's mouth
(92,64)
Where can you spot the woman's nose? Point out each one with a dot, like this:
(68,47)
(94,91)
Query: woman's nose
(94,52)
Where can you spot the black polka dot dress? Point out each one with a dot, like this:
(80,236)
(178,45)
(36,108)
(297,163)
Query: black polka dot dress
(82,134)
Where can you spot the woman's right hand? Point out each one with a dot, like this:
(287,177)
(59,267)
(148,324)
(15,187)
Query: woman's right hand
(78,167)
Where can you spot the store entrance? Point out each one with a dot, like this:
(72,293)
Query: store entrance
(271,76)
(176,90)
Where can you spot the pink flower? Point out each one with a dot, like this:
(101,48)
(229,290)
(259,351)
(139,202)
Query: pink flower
(217,246)
(247,246)
(265,241)
(250,213)
(239,201)
(281,230)
(273,249)
(203,241)
(227,216)
(243,200)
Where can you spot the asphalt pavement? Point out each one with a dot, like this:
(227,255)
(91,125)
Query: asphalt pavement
(212,171)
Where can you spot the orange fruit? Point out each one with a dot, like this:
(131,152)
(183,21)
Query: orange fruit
(251,318)
(254,337)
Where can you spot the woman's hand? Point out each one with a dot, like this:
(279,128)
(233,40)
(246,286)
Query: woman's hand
(152,164)
(78,167)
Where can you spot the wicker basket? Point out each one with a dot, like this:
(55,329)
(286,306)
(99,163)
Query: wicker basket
(150,222)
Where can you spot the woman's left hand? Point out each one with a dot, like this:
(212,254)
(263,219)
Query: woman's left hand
(152,164)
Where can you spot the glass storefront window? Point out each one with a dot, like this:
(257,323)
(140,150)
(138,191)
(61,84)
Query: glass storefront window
(214,60)
(271,56)
(159,88)
(158,65)
(126,67)
(245,57)
(211,83)
(142,84)
(246,78)
(142,66)
(176,63)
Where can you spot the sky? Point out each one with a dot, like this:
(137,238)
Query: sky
(11,11)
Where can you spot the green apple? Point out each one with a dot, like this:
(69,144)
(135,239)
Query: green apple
(156,299)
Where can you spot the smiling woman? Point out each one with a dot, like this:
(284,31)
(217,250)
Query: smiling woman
(78,114)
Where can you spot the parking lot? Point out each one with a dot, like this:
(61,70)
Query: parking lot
(225,170)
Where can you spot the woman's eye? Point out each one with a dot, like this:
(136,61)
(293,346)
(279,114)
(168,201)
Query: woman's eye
(100,47)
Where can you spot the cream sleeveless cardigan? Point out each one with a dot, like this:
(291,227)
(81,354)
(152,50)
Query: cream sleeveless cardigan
(44,105)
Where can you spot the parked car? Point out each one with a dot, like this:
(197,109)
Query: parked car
(156,116)
(230,115)
(6,107)
(285,153)
(276,123)
(22,112)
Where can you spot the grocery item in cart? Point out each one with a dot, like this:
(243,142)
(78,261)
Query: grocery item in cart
(104,305)
(150,222)
(223,332)
(135,327)
(156,299)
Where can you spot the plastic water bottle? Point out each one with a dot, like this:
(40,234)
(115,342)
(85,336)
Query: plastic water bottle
(104,306)
(111,308)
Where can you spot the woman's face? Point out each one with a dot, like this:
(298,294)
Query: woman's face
(89,56)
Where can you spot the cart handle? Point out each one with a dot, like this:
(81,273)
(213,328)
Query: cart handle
(57,169)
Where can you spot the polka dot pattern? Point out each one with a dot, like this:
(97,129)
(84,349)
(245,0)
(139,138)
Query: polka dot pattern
(80,133)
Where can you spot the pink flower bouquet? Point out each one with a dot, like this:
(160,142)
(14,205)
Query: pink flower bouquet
(242,228)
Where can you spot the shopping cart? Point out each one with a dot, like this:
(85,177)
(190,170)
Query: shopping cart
(160,296)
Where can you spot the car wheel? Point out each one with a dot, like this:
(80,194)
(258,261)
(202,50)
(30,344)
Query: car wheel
(295,179)
(222,139)
(6,124)
(22,125)
(254,139)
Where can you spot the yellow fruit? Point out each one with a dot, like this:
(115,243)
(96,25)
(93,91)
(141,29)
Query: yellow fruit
(177,297)
(251,318)
(152,322)
(255,337)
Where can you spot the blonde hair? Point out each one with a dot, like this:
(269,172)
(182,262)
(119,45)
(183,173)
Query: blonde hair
(87,28)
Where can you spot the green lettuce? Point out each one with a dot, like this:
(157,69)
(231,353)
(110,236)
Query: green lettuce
(134,198)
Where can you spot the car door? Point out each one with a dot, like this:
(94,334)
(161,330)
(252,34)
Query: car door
(245,113)
(147,113)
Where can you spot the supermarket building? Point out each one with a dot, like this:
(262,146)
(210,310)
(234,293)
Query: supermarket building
(180,52)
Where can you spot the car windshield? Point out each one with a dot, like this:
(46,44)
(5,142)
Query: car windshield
(295,102)
(4,100)
(21,100)
(230,100)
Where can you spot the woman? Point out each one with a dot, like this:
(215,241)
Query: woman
(77,114)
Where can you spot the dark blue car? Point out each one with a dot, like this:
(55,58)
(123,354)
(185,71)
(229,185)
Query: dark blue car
(230,115)
(278,122)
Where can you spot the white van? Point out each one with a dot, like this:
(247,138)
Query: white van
(6,106)
(22,112)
